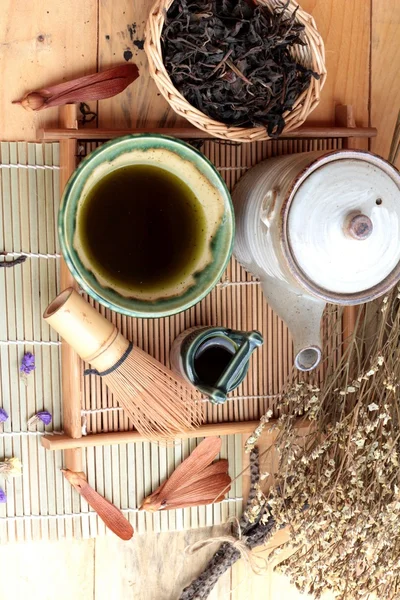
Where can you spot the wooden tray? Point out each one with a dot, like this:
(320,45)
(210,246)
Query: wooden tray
(236,302)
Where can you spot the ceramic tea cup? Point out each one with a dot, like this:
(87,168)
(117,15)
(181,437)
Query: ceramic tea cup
(194,170)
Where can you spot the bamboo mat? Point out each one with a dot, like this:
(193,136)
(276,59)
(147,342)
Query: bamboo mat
(41,504)
(236,302)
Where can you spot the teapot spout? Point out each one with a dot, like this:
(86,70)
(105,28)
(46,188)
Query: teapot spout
(302,314)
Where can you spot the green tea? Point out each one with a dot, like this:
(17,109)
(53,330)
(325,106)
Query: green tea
(142,229)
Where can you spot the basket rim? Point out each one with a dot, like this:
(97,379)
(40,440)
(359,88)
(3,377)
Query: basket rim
(304,105)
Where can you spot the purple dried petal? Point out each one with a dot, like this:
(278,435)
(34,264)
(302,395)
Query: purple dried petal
(3,497)
(3,415)
(44,416)
(27,363)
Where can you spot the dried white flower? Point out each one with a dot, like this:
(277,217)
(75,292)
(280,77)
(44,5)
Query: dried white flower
(339,485)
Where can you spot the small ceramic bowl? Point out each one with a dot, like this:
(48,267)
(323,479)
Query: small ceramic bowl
(185,162)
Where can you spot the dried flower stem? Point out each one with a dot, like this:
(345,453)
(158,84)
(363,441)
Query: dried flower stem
(339,489)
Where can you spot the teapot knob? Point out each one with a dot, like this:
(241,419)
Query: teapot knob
(358,226)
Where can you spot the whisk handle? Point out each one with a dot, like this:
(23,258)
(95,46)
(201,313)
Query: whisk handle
(113,367)
(92,336)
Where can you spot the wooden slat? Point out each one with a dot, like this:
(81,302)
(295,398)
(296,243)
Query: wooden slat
(345,29)
(7,328)
(63,442)
(385,61)
(69,568)
(70,362)
(27,397)
(192,132)
(120,579)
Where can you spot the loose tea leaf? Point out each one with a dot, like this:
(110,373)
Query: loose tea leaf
(87,115)
(91,87)
(231,59)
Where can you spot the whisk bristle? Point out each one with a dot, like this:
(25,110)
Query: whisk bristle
(157,401)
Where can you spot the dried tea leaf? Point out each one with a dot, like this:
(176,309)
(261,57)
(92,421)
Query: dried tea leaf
(110,514)
(195,482)
(90,87)
(232,60)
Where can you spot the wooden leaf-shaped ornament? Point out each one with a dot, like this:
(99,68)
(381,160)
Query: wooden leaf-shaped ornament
(90,87)
(110,514)
(196,481)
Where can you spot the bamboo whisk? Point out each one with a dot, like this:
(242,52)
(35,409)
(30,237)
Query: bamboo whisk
(158,402)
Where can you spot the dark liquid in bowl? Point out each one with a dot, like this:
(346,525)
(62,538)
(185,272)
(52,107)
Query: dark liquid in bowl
(211,363)
(142,228)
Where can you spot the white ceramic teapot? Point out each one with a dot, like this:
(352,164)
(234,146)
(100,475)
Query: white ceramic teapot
(319,227)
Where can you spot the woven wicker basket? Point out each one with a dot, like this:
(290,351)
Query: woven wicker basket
(311,56)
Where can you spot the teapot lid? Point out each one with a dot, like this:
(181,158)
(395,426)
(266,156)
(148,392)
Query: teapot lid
(342,227)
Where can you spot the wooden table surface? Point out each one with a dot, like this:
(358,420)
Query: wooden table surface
(47,41)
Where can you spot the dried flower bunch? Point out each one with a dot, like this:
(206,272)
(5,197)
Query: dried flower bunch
(10,467)
(339,489)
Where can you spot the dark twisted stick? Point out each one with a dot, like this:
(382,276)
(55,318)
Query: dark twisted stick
(8,264)
(256,533)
